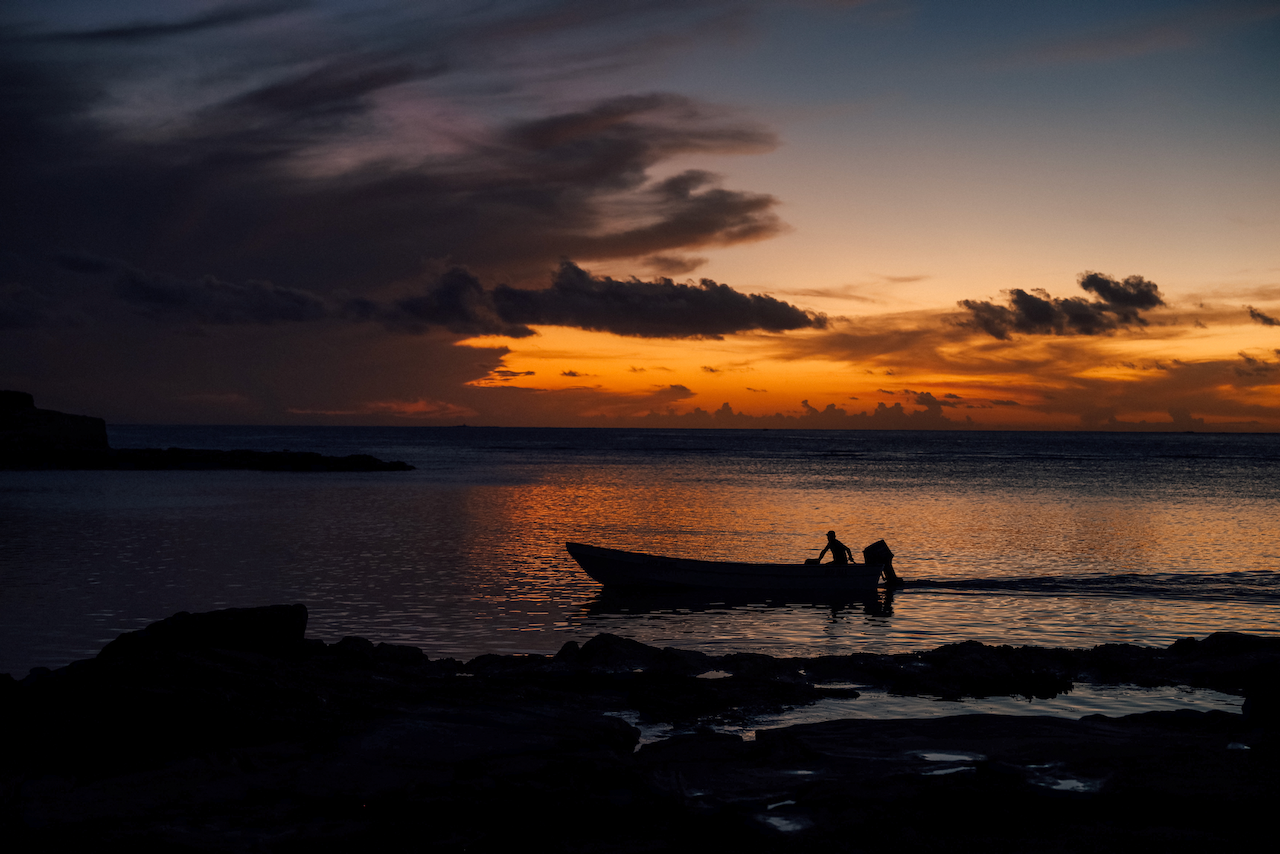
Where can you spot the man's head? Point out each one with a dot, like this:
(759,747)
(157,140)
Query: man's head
(831,535)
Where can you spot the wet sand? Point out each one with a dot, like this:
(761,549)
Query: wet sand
(230,731)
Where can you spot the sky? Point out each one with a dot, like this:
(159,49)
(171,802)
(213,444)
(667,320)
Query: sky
(923,214)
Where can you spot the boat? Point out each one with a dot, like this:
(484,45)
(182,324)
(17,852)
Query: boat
(615,568)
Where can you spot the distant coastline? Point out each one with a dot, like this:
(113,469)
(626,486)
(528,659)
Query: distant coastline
(43,439)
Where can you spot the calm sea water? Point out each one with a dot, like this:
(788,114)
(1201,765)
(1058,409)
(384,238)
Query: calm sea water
(1058,539)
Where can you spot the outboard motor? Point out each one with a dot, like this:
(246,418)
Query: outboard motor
(878,553)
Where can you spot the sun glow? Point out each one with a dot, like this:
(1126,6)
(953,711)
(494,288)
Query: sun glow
(918,365)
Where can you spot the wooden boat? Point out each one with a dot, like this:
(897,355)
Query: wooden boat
(621,569)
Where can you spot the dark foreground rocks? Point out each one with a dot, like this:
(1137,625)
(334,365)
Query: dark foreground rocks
(231,732)
(42,439)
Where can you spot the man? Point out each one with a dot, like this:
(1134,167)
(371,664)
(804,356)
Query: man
(840,553)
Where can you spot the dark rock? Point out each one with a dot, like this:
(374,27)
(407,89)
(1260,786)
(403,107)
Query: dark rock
(616,654)
(15,401)
(507,665)
(1233,662)
(196,734)
(1225,644)
(569,654)
(857,667)
(1262,703)
(758,666)
(973,669)
(29,437)
(271,630)
(400,655)
(1118,663)
(685,662)
(703,747)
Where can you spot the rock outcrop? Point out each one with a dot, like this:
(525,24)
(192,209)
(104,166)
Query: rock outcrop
(231,731)
(30,433)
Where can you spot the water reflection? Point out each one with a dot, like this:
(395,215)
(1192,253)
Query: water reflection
(466,555)
(636,603)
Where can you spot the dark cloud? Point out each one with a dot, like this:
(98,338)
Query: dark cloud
(210,300)
(657,309)
(673,265)
(1264,319)
(1038,313)
(1250,366)
(266,182)
(456,300)
(846,293)
(1133,292)
(226,16)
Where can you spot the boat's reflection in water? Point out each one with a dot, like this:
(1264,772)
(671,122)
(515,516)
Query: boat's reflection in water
(637,602)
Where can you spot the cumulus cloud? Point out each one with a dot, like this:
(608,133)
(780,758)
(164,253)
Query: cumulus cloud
(656,309)
(1038,313)
(829,417)
(1134,292)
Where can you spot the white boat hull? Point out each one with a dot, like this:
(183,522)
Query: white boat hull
(617,568)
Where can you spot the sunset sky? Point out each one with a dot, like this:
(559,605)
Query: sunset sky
(738,213)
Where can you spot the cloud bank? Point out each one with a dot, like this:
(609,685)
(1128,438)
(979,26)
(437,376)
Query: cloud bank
(456,301)
(1038,313)
(310,172)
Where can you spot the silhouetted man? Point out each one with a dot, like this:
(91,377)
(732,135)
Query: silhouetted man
(840,553)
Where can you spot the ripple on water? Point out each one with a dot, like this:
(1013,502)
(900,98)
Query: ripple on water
(1110,700)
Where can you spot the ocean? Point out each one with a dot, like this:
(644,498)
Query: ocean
(1050,539)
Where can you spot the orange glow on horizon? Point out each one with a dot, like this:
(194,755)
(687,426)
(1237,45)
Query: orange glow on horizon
(919,363)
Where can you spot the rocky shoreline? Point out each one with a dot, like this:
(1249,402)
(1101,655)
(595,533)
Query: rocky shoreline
(232,731)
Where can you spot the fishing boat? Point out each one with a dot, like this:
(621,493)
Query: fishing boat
(615,568)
